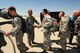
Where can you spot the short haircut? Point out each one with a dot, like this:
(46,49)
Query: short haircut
(29,10)
(45,10)
(11,8)
(62,13)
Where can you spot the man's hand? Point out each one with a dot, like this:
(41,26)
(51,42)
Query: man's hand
(55,22)
(7,34)
(35,26)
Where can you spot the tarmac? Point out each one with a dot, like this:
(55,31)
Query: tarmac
(37,48)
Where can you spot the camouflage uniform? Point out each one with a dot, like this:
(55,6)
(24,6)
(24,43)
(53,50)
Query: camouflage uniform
(64,32)
(46,24)
(77,23)
(17,32)
(30,20)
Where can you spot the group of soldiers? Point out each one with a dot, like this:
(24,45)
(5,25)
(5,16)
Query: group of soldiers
(18,30)
(68,27)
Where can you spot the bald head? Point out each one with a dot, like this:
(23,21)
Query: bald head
(75,13)
(30,12)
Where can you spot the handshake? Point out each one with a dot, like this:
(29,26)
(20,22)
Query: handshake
(7,34)
(37,26)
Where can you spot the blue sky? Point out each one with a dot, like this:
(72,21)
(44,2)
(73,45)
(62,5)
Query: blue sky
(37,5)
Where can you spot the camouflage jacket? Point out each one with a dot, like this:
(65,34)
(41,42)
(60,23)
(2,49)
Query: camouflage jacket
(47,22)
(30,20)
(64,24)
(17,25)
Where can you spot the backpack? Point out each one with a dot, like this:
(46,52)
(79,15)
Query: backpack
(2,40)
(24,25)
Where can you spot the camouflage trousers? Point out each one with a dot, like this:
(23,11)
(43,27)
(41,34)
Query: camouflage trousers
(19,41)
(63,41)
(46,41)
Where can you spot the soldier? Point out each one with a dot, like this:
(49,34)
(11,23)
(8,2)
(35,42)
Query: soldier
(2,40)
(17,30)
(46,24)
(63,30)
(72,25)
(77,23)
(30,20)
(55,26)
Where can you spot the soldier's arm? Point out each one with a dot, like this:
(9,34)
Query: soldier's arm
(38,24)
(35,21)
(54,19)
(17,27)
